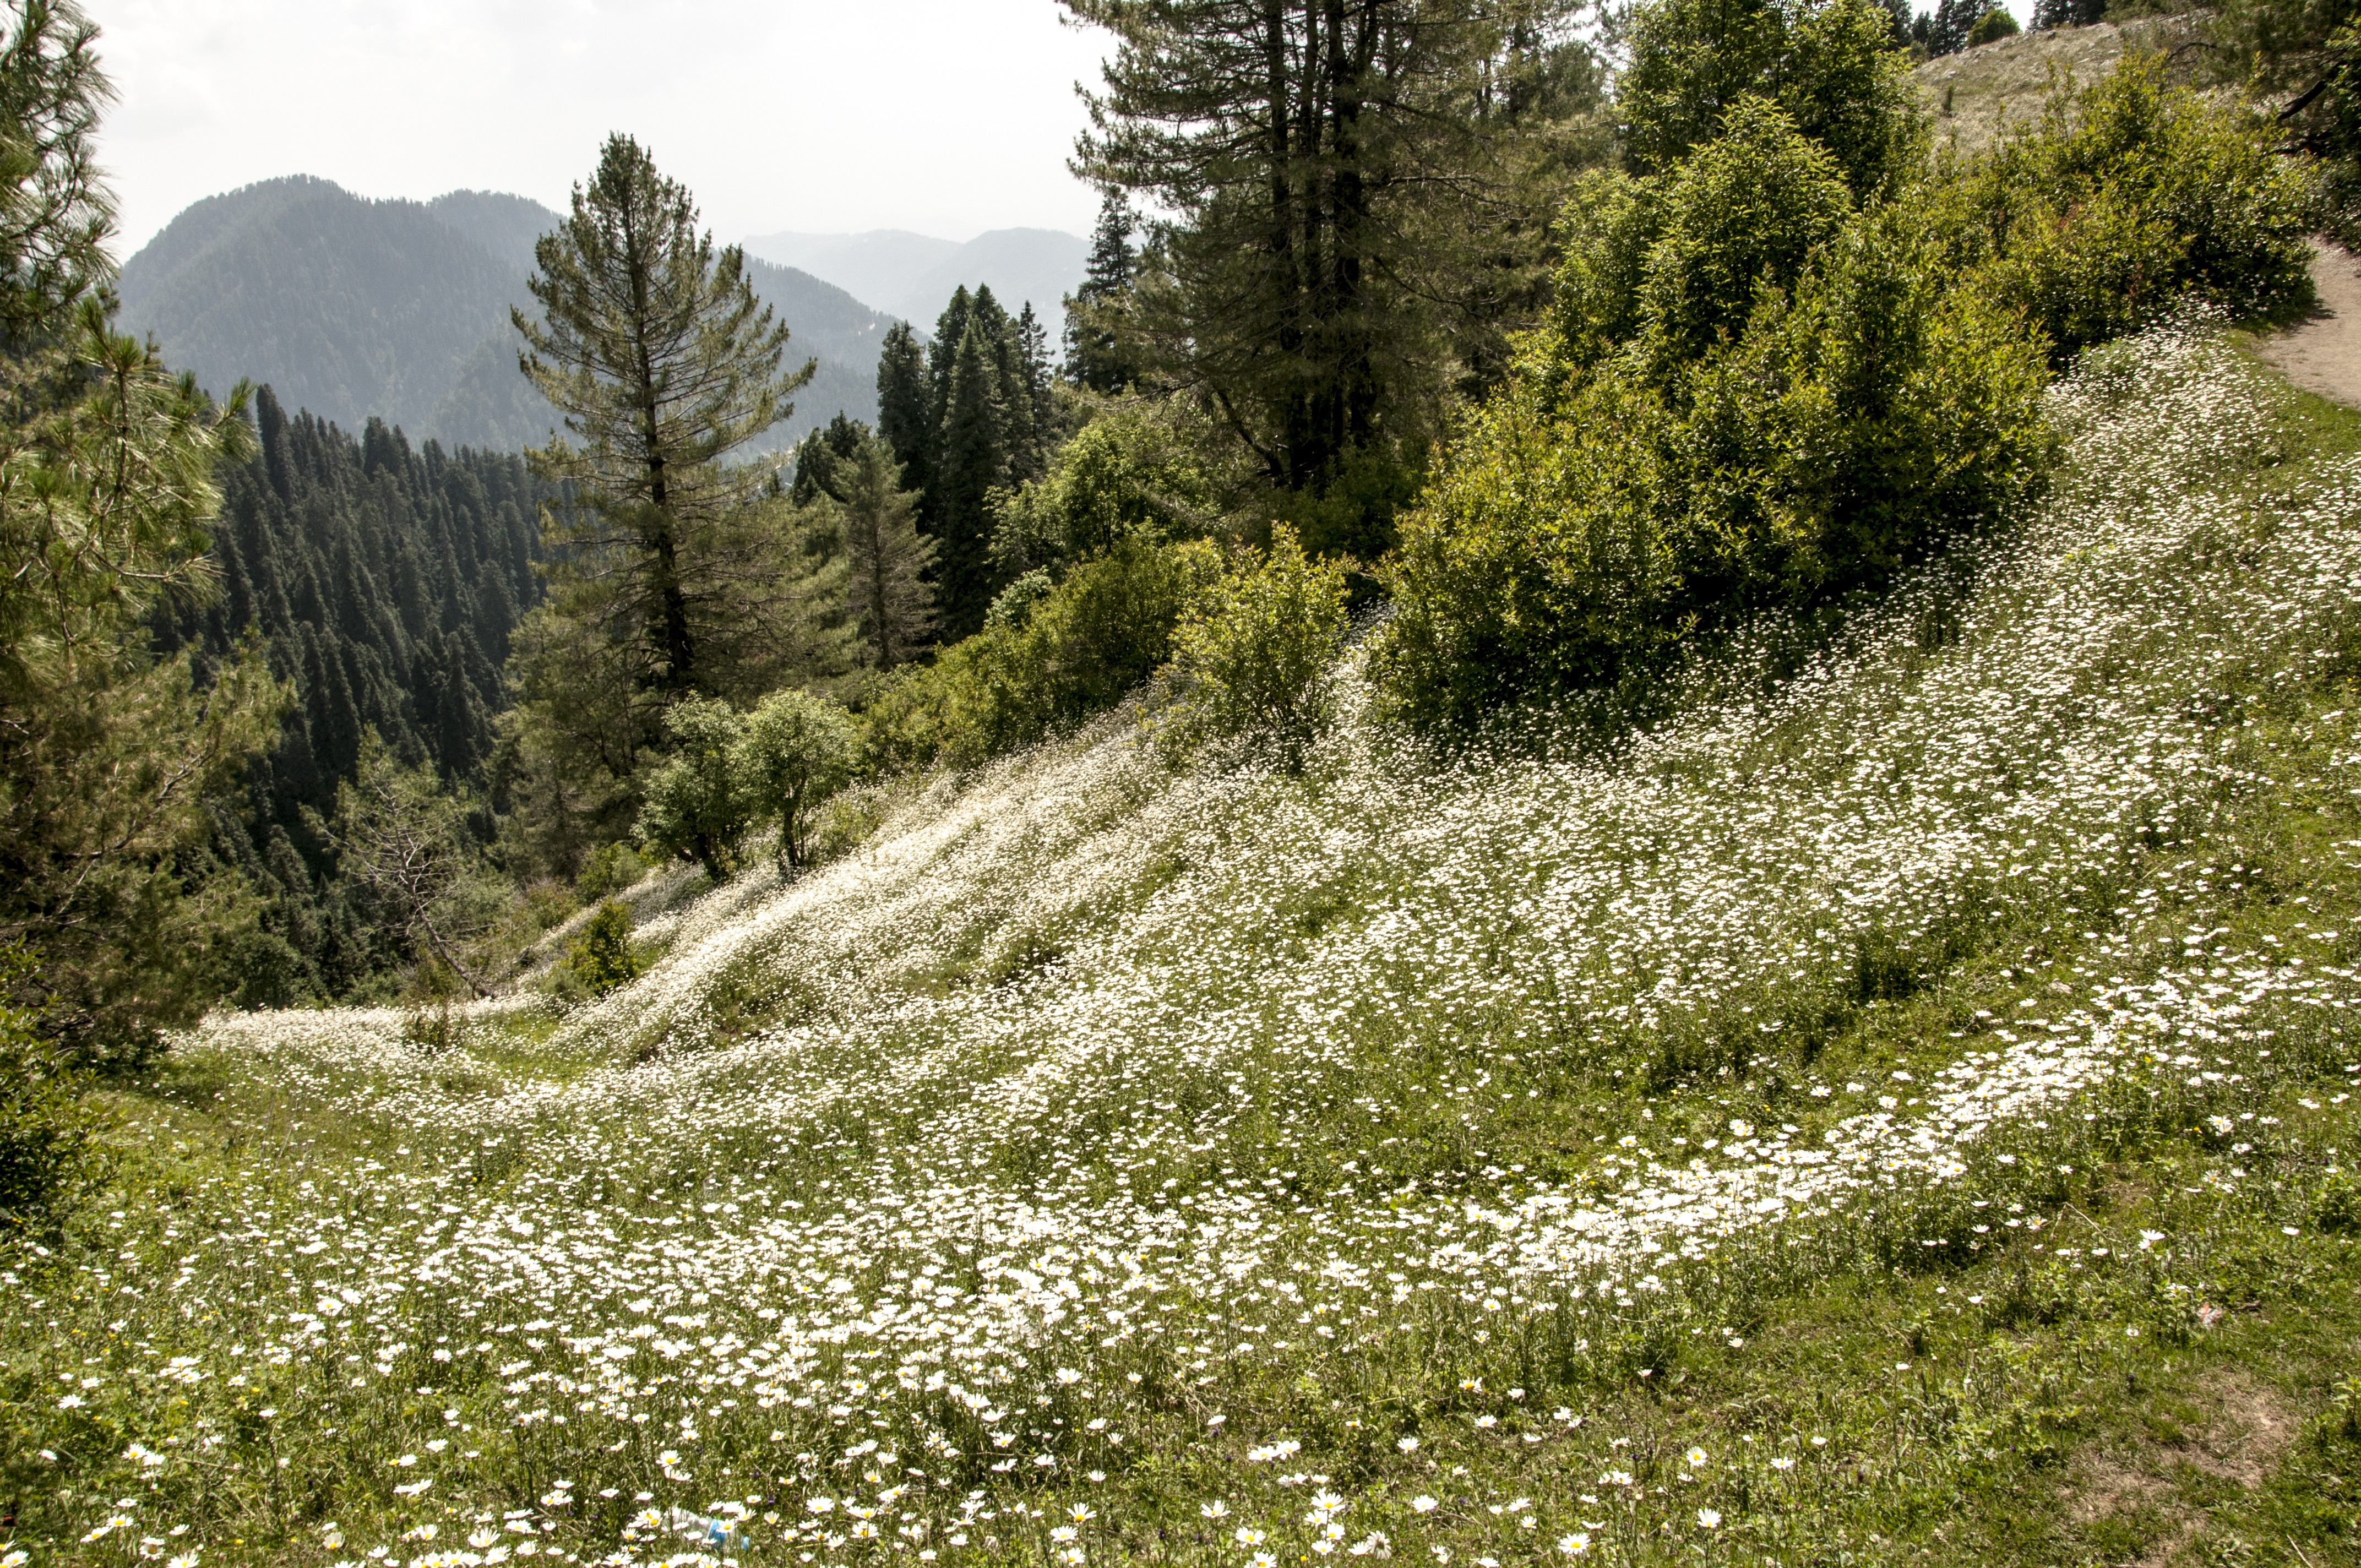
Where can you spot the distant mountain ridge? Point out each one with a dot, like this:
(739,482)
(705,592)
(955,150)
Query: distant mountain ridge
(913,274)
(354,308)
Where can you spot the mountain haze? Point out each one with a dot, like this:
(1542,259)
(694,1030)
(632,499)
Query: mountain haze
(913,274)
(351,308)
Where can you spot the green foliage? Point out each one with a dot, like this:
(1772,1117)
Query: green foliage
(678,568)
(1589,525)
(1071,653)
(1327,282)
(694,803)
(1753,392)
(1098,356)
(1250,656)
(603,956)
(1135,471)
(608,869)
(382,583)
(2126,200)
(402,845)
(887,560)
(55,215)
(109,753)
(1993,26)
(48,1124)
(2330,127)
(1831,66)
(1741,215)
(794,750)
(974,413)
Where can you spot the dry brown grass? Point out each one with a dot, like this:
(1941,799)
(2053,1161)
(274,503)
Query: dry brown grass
(1979,93)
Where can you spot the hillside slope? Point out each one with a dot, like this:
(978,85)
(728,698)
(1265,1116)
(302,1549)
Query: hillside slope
(1889,1112)
(1978,93)
(351,308)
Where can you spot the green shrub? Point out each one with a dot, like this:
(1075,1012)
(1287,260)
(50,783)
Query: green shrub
(48,1126)
(694,806)
(1075,651)
(2122,202)
(1249,655)
(604,956)
(1752,393)
(608,869)
(1990,27)
(1132,472)
(1831,66)
(1589,524)
(1741,215)
(794,751)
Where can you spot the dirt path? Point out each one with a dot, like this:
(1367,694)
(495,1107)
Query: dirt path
(2323,355)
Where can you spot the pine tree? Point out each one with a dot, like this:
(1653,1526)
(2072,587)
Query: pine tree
(1950,22)
(108,752)
(890,596)
(970,461)
(1352,213)
(818,456)
(664,363)
(1096,356)
(1030,390)
(904,412)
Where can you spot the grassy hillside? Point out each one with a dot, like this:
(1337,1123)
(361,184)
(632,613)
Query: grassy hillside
(1977,94)
(1900,1109)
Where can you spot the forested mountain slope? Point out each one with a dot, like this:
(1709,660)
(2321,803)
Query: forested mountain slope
(383,581)
(400,310)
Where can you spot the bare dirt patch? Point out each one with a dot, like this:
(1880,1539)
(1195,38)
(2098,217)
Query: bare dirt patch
(2246,1428)
(2323,355)
(2251,1429)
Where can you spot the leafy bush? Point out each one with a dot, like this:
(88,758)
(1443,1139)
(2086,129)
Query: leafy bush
(1990,27)
(794,751)
(1579,536)
(1129,473)
(2122,202)
(47,1127)
(1830,67)
(693,804)
(1741,215)
(1073,651)
(1753,392)
(603,956)
(1248,655)
(608,869)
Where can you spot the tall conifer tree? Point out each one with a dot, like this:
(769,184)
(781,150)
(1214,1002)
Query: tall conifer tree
(905,411)
(1095,354)
(972,461)
(889,595)
(663,364)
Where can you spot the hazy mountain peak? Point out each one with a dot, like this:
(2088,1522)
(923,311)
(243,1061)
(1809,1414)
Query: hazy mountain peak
(912,274)
(351,308)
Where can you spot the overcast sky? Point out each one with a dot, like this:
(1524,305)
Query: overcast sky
(946,116)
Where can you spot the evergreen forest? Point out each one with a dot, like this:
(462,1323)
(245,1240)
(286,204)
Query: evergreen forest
(1604,814)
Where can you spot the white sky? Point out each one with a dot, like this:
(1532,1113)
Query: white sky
(946,116)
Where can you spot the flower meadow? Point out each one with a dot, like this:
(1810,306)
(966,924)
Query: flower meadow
(1413,1157)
